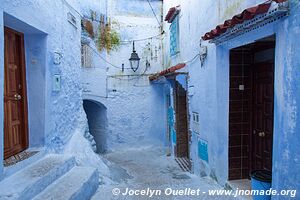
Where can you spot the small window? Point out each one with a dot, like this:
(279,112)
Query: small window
(195,117)
(196,123)
(174,36)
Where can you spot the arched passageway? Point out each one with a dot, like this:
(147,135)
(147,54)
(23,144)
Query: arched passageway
(97,121)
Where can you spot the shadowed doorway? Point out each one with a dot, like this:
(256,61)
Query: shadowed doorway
(251,108)
(97,121)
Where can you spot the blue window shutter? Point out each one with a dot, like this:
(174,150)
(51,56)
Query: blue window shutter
(203,150)
(174,37)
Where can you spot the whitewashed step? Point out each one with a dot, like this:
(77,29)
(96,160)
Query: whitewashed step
(80,183)
(33,179)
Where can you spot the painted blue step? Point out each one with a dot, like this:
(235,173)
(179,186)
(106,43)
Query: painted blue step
(33,179)
(80,183)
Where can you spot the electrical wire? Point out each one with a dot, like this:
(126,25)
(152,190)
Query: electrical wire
(159,24)
(125,41)
(137,76)
(143,39)
(71,7)
(144,73)
(98,54)
(193,59)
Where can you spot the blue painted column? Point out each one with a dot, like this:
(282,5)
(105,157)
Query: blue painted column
(286,151)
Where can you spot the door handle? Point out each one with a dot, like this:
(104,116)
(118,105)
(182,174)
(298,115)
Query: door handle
(17,97)
(261,134)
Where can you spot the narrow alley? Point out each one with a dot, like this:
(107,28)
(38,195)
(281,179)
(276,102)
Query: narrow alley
(140,169)
(149,99)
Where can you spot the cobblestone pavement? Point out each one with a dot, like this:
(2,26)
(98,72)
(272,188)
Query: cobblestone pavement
(150,169)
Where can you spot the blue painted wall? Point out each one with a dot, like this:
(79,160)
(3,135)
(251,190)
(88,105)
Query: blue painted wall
(35,48)
(53,116)
(130,99)
(286,119)
(211,86)
(94,79)
(286,159)
(134,106)
(172,118)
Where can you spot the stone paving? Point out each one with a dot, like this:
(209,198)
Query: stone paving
(150,169)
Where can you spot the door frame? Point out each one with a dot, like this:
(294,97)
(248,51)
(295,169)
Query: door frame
(24,87)
(177,122)
(251,157)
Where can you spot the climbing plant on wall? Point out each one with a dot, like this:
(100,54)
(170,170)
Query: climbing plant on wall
(108,38)
(104,36)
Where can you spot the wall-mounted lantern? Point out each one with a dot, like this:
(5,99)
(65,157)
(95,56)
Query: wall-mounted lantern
(134,60)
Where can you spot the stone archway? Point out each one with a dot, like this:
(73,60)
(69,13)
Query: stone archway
(97,120)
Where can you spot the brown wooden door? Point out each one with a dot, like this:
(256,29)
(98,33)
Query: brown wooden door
(15,100)
(182,137)
(263,115)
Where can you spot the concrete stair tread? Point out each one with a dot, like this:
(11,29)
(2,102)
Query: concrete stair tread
(77,180)
(30,181)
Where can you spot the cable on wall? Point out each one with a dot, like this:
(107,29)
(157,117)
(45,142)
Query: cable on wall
(136,76)
(143,39)
(193,59)
(72,8)
(159,24)
(125,41)
(98,54)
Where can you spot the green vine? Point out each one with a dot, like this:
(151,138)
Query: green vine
(108,39)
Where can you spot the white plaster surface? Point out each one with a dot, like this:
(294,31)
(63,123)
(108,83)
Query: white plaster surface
(135,108)
(79,183)
(62,110)
(136,114)
(80,148)
(35,178)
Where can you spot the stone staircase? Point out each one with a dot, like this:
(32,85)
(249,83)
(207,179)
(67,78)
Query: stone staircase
(53,177)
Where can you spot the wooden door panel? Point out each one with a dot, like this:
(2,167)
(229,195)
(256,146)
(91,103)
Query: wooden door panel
(11,79)
(182,140)
(15,100)
(263,112)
